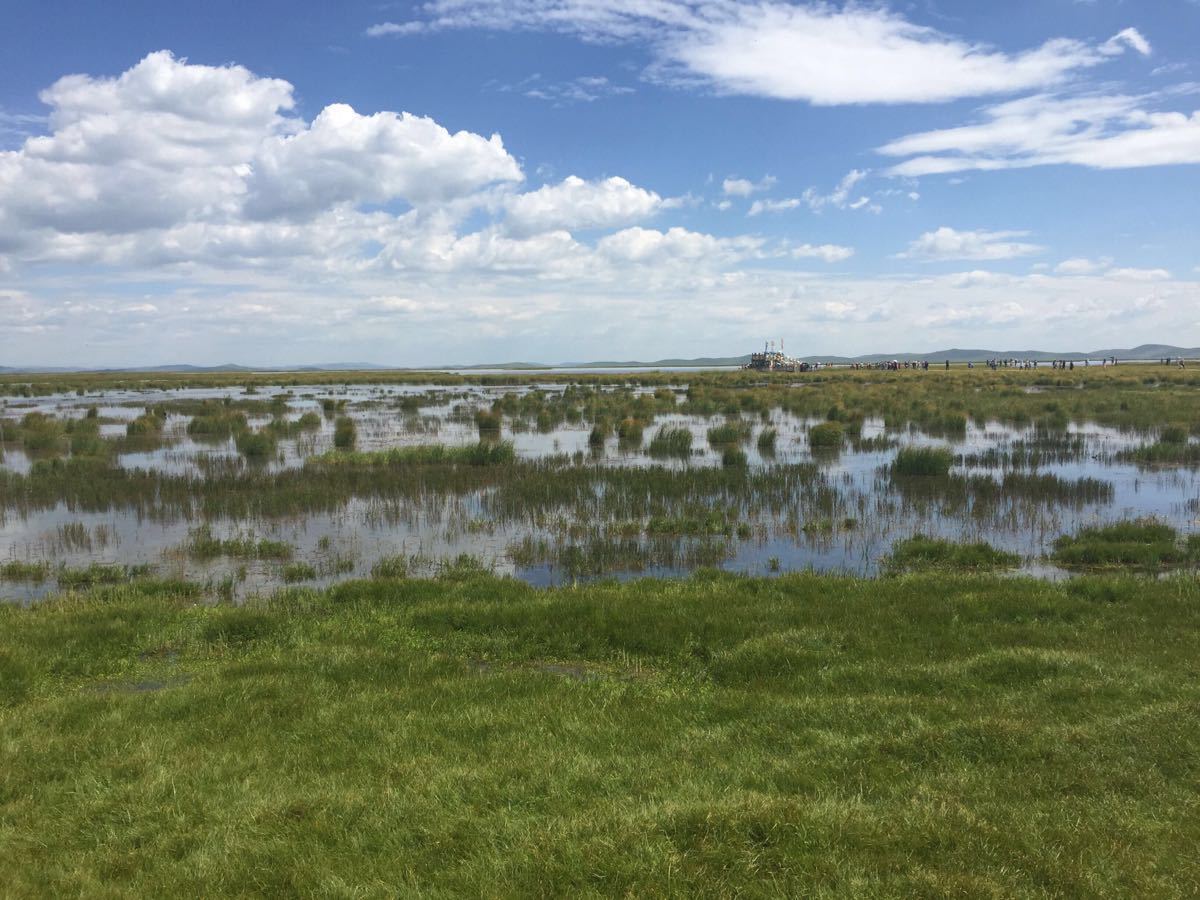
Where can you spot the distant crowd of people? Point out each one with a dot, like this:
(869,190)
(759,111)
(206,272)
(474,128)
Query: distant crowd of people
(896,365)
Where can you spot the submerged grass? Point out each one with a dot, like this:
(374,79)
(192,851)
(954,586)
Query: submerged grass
(203,543)
(485,453)
(935,735)
(1164,452)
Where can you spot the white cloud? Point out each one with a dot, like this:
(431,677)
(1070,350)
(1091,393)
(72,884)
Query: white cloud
(978,278)
(987,315)
(344,157)
(744,187)
(575,203)
(648,246)
(583,89)
(1126,37)
(1082,266)
(393,29)
(816,52)
(1127,274)
(759,207)
(172,145)
(1101,132)
(830,253)
(947,243)
(838,198)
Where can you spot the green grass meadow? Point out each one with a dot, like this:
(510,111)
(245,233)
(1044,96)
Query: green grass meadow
(925,735)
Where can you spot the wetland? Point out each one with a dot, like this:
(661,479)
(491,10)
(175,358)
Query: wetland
(247,483)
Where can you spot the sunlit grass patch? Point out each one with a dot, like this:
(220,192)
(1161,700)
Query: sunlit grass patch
(921,553)
(935,735)
(1143,544)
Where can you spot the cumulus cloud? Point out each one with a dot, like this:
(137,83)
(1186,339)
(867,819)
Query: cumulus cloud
(817,52)
(1097,131)
(344,157)
(649,246)
(576,203)
(206,176)
(172,145)
(947,243)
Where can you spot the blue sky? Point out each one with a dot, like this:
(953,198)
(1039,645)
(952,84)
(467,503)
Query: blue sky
(474,180)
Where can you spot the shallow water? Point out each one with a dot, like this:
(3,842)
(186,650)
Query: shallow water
(848,522)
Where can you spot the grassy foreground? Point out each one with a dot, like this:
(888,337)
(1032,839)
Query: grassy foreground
(926,735)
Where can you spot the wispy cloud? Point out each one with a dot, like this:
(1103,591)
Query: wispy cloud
(841,197)
(817,52)
(744,187)
(1098,131)
(584,89)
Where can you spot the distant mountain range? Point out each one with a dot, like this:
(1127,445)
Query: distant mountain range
(958,355)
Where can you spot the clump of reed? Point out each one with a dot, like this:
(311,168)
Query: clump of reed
(390,567)
(203,544)
(920,553)
(298,571)
(599,434)
(481,454)
(488,422)
(630,430)
(737,431)
(345,433)
(256,446)
(827,436)
(218,423)
(41,435)
(1140,544)
(148,425)
(283,428)
(18,570)
(671,442)
(734,458)
(1172,448)
(598,555)
(923,462)
(99,574)
(766,441)
(85,440)
(698,523)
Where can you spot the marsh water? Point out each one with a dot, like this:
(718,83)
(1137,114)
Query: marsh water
(825,510)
